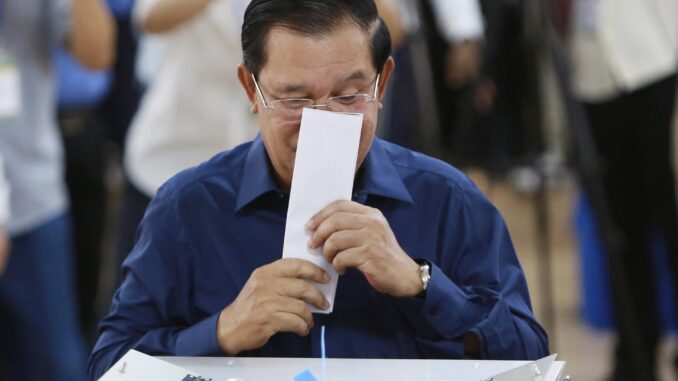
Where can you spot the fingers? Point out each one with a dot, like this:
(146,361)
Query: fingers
(301,290)
(346,259)
(343,240)
(296,307)
(333,223)
(338,206)
(298,268)
(289,322)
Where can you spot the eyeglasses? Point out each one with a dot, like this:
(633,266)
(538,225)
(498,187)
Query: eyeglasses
(291,108)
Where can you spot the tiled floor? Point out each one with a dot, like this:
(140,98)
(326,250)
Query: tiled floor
(586,351)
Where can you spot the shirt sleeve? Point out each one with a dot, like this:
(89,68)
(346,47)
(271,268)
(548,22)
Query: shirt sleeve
(459,20)
(148,312)
(477,286)
(4,196)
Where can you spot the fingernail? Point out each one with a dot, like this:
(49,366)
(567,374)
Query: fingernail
(326,278)
(310,225)
(311,244)
(326,305)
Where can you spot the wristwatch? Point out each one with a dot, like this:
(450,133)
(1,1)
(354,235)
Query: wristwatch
(424,274)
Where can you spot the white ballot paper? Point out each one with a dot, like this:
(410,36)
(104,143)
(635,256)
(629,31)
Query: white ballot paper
(137,366)
(324,168)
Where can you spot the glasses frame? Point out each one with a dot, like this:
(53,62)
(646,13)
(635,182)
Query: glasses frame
(312,104)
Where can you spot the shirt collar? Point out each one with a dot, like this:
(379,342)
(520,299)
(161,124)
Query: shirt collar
(379,176)
(257,178)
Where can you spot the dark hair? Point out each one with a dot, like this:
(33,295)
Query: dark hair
(311,17)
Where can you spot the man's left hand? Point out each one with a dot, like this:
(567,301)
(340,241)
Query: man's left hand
(356,235)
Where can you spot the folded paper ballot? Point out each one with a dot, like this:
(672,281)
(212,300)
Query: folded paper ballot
(324,168)
(137,366)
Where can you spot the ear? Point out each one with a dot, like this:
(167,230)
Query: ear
(384,77)
(247,83)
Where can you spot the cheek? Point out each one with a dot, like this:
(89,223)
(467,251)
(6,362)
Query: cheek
(282,134)
(366,135)
(281,141)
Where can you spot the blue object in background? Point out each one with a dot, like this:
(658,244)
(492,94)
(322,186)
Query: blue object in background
(596,297)
(78,87)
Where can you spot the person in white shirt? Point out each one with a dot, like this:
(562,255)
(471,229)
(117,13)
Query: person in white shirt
(428,67)
(625,58)
(193,108)
(460,23)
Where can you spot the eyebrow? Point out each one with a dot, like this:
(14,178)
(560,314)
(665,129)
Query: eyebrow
(298,88)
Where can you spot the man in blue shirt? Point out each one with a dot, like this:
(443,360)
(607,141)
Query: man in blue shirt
(206,278)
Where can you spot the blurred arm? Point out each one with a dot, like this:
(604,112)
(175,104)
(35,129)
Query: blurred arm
(4,217)
(159,16)
(92,37)
(390,12)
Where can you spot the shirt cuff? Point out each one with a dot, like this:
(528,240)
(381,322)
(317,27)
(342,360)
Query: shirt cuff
(495,332)
(446,307)
(199,339)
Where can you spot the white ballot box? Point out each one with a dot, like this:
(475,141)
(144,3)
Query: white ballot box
(136,366)
(288,369)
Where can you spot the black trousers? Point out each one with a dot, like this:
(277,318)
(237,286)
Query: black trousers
(632,134)
(84,137)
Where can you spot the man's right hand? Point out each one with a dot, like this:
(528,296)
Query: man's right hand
(273,300)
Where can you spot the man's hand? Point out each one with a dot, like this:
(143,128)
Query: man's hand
(463,64)
(273,300)
(4,251)
(355,235)
(166,15)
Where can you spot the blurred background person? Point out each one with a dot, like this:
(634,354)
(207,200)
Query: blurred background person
(38,308)
(90,119)
(437,46)
(625,58)
(193,108)
(455,32)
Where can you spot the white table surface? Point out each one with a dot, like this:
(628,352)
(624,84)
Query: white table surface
(255,369)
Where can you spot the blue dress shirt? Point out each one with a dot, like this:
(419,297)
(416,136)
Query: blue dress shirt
(210,226)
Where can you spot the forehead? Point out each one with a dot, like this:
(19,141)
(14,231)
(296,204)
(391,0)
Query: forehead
(290,55)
